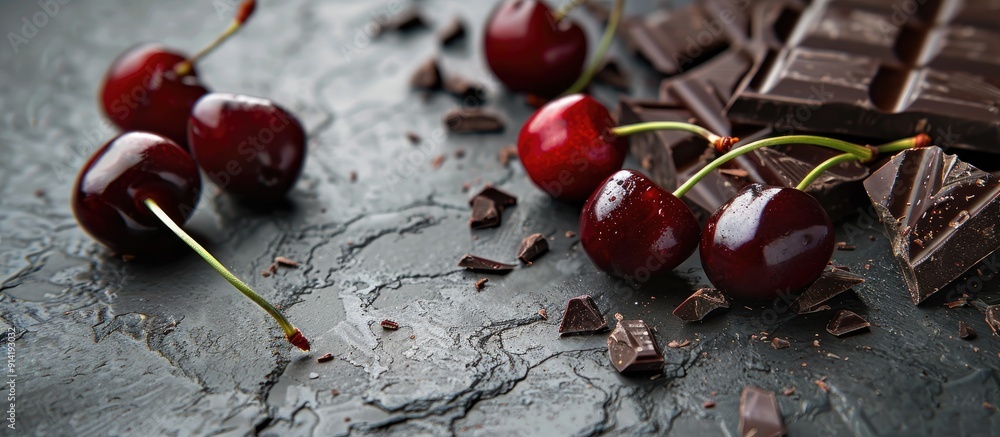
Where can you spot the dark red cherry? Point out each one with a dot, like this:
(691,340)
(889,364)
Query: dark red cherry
(141,92)
(110,190)
(635,229)
(248,146)
(766,241)
(532,53)
(568,149)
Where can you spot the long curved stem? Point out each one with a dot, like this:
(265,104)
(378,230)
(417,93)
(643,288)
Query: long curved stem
(861,152)
(292,333)
(919,140)
(243,13)
(602,50)
(651,126)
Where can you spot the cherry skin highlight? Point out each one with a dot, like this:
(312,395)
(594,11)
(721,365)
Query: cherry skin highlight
(250,147)
(110,189)
(532,53)
(766,241)
(568,149)
(141,92)
(635,229)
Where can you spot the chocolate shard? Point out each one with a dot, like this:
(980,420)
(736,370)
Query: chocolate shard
(941,215)
(780,343)
(846,322)
(612,73)
(532,247)
(633,349)
(452,32)
(473,120)
(427,76)
(407,19)
(993,318)
(502,198)
(472,93)
(965,331)
(582,317)
(830,283)
(700,304)
(483,265)
(484,213)
(759,414)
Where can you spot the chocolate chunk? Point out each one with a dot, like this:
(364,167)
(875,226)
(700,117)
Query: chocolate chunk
(326,357)
(389,325)
(965,331)
(700,304)
(407,19)
(427,76)
(846,322)
(484,213)
(759,414)
(582,317)
(780,343)
(481,283)
(285,262)
(633,349)
(837,69)
(502,198)
(471,93)
(483,265)
(413,137)
(993,319)
(452,32)
(830,283)
(941,215)
(532,247)
(613,74)
(506,154)
(473,120)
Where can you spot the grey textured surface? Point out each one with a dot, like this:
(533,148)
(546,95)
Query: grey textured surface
(108,347)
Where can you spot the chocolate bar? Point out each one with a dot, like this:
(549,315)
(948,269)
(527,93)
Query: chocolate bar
(941,215)
(867,69)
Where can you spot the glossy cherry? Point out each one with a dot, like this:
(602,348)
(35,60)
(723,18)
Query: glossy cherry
(110,190)
(248,146)
(568,149)
(635,229)
(141,91)
(532,52)
(766,241)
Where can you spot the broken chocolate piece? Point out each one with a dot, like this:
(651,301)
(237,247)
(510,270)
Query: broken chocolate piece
(389,325)
(471,93)
(532,247)
(759,414)
(326,357)
(452,32)
(479,264)
(700,304)
(502,198)
(506,154)
(941,215)
(633,348)
(484,213)
(481,283)
(830,283)
(611,73)
(846,322)
(965,331)
(473,120)
(780,343)
(407,19)
(285,262)
(413,137)
(582,317)
(427,76)
(993,319)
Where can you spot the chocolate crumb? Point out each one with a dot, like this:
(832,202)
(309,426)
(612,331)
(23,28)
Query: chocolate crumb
(465,187)
(989,406)
(842,245)
(438,161)
(389,324)
(780,343)
(674,344)
(788,391)
(570,234)
(353,176)
(335,392)
(285,262)
(709,404)
(405,20)
(40,192)
(506,154)
(821,383)
(265,273)
(965,332)
(735,172)
(326,357)
(428,77)
(459,153)
(543,313)
(481,283)
(413,137)
(452,32)
(961,302)
(412,337)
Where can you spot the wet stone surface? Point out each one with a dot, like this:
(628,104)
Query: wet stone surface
(109,347)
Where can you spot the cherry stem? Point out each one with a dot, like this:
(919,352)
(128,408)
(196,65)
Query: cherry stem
(602,50)
(565,9)
(860,152)
(243,12)
(721,143)
(292,333)
(919,140)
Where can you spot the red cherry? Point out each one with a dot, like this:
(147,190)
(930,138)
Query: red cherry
(633,228)
(568,149)
(530,51)
(766,241)
(248,146)
(110,190)
(141,91)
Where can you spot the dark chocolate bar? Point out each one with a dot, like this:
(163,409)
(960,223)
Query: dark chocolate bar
(941,215)
(869,69)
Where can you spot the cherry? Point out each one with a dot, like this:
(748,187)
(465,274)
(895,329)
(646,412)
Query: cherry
(531,51)
(567,147)
(107,197)
(137,187)
(152,88)
(766,241)
(633,228)
(249,147)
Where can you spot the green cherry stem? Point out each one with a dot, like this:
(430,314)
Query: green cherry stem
(292,333)
(602,50)
(860,152)
(243,12)
(717,141)
(919,140)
